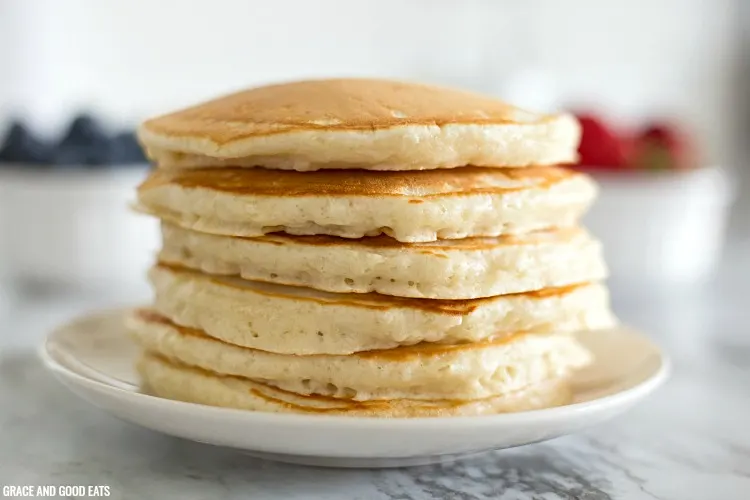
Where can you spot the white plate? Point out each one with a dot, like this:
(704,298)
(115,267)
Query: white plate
(94,357)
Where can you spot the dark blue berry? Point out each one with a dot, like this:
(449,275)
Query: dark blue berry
(84,143)
(21,146)
(124,150)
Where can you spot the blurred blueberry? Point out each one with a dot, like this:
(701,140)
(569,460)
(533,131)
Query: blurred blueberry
(84,143)
(20,146)
(82,130)
(124,149)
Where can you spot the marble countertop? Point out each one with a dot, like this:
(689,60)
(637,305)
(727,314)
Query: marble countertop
(691,441)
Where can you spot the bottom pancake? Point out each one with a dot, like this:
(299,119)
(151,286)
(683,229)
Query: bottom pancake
(172,380)
(423,371)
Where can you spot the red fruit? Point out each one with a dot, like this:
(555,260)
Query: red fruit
(665,134)
(600,146)
(662,146)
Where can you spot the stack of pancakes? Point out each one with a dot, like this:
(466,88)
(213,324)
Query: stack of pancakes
(364,247)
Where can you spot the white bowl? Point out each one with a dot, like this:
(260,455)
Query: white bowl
(73,226)
(662,227)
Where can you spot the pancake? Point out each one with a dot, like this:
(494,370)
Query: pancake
(358,123)
(293,320)
(169,379)
(446,269)
(408,206)
(422,371)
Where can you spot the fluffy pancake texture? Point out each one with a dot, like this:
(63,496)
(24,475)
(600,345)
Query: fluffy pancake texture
(422,371)
(173,380)
(358,123)
(408,206)
(370,248)
(446,269)
(293,320)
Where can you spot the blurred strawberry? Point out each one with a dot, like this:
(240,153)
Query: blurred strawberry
(663,146)
(601,147)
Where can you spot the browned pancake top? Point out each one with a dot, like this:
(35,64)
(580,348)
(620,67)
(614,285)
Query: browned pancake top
(337,104)
(377,301)
(417,184)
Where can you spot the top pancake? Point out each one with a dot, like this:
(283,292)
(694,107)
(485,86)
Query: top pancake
(358,123)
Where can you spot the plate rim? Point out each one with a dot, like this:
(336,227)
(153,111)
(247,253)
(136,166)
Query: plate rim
(618,399)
